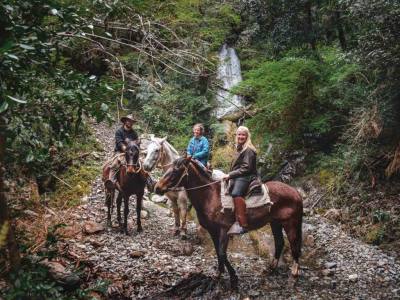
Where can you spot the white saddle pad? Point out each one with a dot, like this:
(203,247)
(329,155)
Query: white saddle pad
(251,202)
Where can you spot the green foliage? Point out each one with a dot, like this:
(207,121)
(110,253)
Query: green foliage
(44,100)
(174,113)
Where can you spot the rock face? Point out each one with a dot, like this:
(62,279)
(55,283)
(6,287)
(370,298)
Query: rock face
(91,227)
(60,274)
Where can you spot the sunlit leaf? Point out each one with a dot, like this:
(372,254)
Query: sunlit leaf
(16,99)
(12,56)
(26,47)
(3,107)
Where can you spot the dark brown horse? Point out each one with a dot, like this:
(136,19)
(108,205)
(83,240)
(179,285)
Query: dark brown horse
(130,181)
(204,193)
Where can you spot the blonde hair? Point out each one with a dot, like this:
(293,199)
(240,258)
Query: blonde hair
(248,143)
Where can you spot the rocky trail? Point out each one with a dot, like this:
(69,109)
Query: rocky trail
(157,265)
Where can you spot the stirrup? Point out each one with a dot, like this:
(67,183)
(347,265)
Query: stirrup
(237,229)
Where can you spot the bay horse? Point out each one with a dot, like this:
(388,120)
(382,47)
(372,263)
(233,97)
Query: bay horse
(130,181)
(205,195)
(162,154)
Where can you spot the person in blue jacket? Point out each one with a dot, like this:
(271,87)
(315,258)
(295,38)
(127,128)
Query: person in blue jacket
(198,147)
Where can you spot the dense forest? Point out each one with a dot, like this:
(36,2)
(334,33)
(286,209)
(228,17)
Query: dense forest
(321,84)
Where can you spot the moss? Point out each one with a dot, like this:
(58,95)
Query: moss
(375,234)
(222,157)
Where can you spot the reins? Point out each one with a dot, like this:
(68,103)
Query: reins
(185,173)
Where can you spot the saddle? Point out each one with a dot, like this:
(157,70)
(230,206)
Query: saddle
(255,187)
(252,201)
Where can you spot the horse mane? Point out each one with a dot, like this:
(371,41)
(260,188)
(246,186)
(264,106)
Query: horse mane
(201,169)
(168,144)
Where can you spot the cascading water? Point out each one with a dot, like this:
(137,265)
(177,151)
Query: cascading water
(230,75)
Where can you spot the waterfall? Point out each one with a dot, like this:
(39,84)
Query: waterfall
(230,75)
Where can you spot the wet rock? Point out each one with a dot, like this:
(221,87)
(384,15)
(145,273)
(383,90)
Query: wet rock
(144,214)
(327,272)
(60,274)
(30,213)
(91,227)
(353,277)
(137,254)
(333,214)
(330,265)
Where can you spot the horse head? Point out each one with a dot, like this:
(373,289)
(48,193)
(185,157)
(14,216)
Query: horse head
(154,153)
(132,157)
(173,177)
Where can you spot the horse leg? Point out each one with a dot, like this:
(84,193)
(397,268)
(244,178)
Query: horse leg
(294,231)
(223,246)
(109,199)
(221,265)
(183,214)
(139,202)
(278,241)
(119,202)
(126,213)
(175,209)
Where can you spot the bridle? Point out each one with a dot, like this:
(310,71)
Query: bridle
(137,167)
(185,173)
(160,156)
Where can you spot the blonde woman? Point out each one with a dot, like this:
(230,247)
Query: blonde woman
(242,172)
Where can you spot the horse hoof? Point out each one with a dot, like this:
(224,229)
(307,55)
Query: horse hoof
(139,229)
(295,270)
(235,284)
(177,232)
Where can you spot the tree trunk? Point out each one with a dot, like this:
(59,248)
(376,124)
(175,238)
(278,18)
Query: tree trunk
(7,237)
(342,37)
(309,26)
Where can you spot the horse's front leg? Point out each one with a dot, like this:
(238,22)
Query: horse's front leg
(126,213)
(183,209)
(175,210)
(139,203)
(221,265)
(223,246)
(119,202)
(109,200)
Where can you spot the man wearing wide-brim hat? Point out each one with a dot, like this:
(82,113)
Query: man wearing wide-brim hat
(124,135)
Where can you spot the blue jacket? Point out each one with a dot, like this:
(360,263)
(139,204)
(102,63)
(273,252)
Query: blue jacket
(198,148)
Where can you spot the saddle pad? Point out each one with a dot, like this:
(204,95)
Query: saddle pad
(251,202)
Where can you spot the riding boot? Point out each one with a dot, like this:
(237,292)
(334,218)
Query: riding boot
(240,226)
(110,183)
(112,179)
(150,182)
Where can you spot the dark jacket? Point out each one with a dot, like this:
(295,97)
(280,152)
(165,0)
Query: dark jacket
(244,165)
(121,135)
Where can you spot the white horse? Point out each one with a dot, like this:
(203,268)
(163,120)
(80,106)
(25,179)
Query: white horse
(161,154)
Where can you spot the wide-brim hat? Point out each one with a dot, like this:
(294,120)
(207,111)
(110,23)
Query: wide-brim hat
(128,117)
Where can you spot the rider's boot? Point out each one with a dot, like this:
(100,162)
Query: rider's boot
(112,179)
(150,182)
(240,226)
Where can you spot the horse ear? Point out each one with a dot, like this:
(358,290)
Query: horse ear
(163,140)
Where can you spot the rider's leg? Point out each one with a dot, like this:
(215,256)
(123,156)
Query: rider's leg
(239,190)
(112,177)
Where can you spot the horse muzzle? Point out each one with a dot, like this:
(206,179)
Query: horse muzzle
(160,189)
(130,169)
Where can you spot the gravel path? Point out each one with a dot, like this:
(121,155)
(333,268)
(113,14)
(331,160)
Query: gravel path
(334,265)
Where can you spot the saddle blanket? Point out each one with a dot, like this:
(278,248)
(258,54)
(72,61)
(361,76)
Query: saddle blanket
(251,202)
